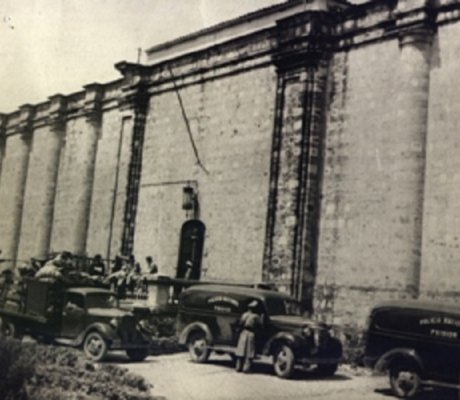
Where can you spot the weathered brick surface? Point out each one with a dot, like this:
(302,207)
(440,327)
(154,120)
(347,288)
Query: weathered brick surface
(231,120)
(441,236)
(39,194)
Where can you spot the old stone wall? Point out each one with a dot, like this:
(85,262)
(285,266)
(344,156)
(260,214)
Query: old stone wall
(75,183)
(371,190)
(39,194)
(109,189)
(231,120)
(327,156)
(441,235)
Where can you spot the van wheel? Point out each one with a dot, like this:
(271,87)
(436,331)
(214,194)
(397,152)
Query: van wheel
(198,347)
(404,380)
(283,362)
(95,346)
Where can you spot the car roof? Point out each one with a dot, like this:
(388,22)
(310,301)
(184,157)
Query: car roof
(418,305)
(261,294)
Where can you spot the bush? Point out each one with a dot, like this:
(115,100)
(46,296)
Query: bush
(39,372)
(15,370)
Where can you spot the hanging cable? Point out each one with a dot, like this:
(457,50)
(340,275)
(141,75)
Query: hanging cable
(187,124)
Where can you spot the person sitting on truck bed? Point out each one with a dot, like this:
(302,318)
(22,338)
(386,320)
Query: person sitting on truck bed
(53,270)
(29,269)
(97,266)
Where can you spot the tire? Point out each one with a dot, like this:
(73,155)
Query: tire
(95,346)
(9,330)
(325,370)
(198,347)
(404,380)
(137,355)
(283,361)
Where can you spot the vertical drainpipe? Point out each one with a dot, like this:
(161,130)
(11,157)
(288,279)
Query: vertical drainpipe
(3,121)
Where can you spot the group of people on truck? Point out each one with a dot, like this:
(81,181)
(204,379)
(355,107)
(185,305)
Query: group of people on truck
(126,276)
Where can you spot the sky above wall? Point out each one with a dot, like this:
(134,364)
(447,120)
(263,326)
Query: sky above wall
(57,46)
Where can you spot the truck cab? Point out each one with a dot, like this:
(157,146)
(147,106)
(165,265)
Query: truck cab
(87,317)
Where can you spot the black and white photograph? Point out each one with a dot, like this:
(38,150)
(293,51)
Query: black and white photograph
(229,199)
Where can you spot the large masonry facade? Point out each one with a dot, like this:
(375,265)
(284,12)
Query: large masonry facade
(320,138)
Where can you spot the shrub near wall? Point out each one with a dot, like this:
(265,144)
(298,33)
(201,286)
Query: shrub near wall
(29,371)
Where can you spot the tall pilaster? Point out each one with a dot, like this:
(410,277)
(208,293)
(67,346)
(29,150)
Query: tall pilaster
(42,181)
(134,104)
(13,182)
(293,213)
(414,19)
(93,115)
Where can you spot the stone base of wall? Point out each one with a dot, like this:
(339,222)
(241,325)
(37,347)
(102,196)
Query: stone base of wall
(349,306)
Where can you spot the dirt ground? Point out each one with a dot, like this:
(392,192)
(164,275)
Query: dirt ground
(176,378)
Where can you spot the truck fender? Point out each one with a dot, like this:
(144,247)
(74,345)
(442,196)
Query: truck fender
(104,329)
(403,354)
(195,326)
(284,337)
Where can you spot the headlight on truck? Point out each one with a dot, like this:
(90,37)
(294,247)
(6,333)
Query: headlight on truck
(115,323)
(307,331)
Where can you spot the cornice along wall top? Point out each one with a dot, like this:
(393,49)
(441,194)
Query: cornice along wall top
(275,35)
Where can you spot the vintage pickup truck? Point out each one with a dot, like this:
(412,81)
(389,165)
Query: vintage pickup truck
(83,317)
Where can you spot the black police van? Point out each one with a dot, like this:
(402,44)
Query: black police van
(418,343)
(208,318)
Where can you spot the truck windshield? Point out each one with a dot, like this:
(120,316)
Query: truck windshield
(283,307)
(101,300)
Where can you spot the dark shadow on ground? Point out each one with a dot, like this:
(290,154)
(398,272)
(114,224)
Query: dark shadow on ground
(266,368)
(122,358)
(427,394)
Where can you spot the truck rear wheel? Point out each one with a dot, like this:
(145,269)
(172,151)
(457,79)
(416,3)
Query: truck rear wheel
(137,354)
(95,346)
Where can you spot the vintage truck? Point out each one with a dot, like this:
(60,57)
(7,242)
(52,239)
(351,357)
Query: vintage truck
(84,317)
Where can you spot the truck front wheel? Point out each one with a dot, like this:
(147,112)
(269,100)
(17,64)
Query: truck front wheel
(404,379)
(283,361)
(198,347)
(95,346)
